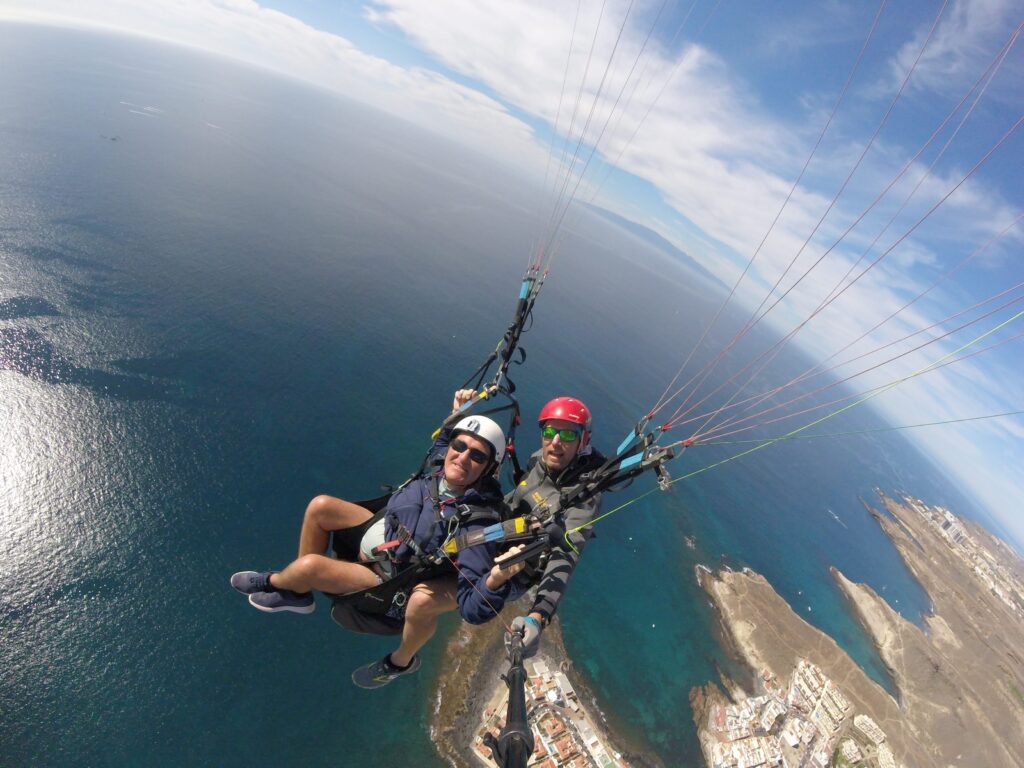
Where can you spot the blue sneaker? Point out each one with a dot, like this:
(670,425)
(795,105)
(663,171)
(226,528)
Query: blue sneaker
(248,582)
(380,673)
(283,600)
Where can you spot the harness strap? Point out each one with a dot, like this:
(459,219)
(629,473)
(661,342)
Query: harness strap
(516,529)
(453,542)
(391,593)
(405,536)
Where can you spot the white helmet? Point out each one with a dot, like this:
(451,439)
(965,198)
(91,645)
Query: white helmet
(487,430)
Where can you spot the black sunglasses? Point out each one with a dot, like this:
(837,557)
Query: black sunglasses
(475,454)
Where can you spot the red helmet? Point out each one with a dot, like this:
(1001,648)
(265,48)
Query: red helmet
(566,409)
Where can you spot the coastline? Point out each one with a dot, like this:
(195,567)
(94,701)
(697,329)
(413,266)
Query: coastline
(553,647)
(958,682)
(476,656)
(771,638)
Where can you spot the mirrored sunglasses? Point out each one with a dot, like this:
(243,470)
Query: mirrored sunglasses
(565,435)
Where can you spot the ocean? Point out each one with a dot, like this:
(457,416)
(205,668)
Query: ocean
(223,292)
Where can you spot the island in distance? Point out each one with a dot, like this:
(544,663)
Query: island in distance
(959,681)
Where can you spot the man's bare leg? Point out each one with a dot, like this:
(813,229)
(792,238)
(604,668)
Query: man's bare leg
(324,574)
(427,601)
(323,515)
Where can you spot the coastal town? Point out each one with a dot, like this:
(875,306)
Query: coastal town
(978,559)
(806,723)
(955,675)
(564,734)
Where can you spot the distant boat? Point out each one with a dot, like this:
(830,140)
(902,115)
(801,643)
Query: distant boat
(837,519)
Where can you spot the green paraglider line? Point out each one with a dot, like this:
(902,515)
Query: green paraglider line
(796,432)
(865,431)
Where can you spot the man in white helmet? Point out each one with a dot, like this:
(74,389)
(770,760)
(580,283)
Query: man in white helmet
(564,458)
(418,517)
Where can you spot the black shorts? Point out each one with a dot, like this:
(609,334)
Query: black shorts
(345,542)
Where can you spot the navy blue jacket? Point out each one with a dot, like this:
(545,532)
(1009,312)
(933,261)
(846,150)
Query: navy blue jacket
(413,506)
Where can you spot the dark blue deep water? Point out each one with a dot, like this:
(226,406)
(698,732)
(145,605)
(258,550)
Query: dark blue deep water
(221,293)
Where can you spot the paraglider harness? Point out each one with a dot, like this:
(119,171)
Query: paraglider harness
(380,609)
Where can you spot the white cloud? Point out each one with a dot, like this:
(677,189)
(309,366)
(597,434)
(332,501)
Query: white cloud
(967,36)
(704,146)
(709,147)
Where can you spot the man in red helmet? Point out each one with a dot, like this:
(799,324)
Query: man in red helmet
(565,455)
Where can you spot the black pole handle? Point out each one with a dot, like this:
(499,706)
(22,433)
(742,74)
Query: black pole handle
(514,745)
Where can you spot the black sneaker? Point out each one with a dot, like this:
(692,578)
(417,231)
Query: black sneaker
(283,600)
(380,673)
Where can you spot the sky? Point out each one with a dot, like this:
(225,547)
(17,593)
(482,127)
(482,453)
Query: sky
(784,146)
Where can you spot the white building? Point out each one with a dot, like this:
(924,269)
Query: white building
(850,751)
(869,728)
(885,757)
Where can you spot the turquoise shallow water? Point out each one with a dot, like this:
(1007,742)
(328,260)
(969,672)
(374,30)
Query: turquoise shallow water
(222,293)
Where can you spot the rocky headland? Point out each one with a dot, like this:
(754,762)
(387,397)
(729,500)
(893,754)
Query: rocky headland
(958,680)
